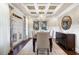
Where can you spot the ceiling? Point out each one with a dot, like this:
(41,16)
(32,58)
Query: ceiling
(42,9)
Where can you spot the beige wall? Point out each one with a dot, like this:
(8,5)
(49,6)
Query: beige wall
(53,26)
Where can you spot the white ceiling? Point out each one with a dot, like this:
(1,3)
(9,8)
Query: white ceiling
(42,9)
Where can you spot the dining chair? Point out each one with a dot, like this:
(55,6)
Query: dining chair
(43,42)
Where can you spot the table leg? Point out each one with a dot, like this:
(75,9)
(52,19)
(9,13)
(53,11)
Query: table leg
(34,40)
(33,45)
(50,45)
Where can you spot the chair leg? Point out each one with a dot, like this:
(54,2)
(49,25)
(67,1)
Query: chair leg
(37,51)
(48,51)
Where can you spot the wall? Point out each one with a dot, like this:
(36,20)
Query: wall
(30,26)
(53,26)
(4,29)
(27,26)
(51,23)
(18,26)
(74,13)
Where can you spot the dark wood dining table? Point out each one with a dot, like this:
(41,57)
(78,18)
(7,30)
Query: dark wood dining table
(35,39)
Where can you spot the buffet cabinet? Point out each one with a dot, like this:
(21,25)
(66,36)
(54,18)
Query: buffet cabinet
(66,40)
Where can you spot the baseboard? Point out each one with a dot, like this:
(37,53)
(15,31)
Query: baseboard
(23,43)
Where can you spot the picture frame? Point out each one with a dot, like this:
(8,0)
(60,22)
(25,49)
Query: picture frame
(44,25)
(36,25)
(66,22)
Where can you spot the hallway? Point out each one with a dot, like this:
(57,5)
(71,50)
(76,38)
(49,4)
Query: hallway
(27,50)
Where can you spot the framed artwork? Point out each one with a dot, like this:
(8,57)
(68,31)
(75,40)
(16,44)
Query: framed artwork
(36,25)
(66,22)
(44,25)
(14,37)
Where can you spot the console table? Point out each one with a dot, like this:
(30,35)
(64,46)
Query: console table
(66,40)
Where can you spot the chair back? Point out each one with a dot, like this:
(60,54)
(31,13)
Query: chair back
(43,39)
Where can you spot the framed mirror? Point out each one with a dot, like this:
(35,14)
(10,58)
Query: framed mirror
(66,22)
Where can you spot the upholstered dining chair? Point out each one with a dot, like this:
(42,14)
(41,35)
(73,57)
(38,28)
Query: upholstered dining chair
(43,41)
